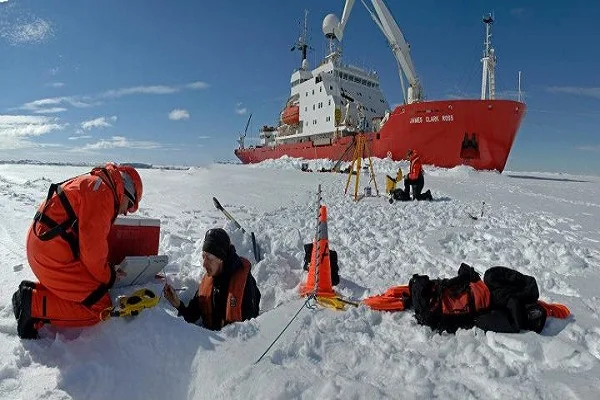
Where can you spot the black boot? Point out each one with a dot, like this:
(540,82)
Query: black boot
(28,284)
(17,306)
(21,301)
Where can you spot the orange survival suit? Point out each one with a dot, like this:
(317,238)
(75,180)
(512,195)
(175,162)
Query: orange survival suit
(416,167)
(67,246)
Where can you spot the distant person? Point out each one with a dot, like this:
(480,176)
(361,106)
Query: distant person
(67,249)
(227,293)
(415,178)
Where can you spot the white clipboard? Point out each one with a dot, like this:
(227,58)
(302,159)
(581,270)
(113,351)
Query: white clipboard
(140,269)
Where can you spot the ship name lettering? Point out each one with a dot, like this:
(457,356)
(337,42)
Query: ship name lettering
(448,118)
(416,120)
(433,118)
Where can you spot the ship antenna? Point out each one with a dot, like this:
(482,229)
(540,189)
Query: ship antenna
(519,98)
(489,62)
(302,43)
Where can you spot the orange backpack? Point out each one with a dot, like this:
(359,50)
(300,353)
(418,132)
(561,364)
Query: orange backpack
(449,304)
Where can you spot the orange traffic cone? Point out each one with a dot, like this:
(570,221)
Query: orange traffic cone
(318,280)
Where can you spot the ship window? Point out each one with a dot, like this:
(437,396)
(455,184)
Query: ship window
(320,89)
(305,108)
(306,93)
(313,107)
(313,92)
(329,102)
(327,119)
(318,79)
(363,81)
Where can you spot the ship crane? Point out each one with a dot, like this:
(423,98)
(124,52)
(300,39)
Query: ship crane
(386,23)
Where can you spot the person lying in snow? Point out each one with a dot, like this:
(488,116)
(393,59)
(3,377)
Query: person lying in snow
(505,301)
(67,249)
(227,293)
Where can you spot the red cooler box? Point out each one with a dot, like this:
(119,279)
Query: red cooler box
(130,236)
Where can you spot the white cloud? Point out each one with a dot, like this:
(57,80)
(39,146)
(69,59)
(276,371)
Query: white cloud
(100,122)
(3,1)
(240,110)
(44,105)
(595,149)
(197,85)
(36,30)
(179,114)
(56,84)
(80,137)
(579,91)
(16,130)
(55,104)
(120,142)
(203,137)
(50,110)
(156,89)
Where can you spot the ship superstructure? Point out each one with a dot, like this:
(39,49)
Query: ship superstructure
(329,104)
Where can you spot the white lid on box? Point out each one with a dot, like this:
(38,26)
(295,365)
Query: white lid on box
(137,221)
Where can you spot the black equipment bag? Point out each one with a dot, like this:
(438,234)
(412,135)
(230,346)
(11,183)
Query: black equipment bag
(333,260)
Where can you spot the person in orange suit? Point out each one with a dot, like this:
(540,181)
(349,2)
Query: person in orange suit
(415,174)
(67,249)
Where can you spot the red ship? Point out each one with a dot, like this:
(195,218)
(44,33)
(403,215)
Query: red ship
(330,104)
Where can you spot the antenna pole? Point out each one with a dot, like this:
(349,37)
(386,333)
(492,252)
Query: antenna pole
(304,35)
(489,62)
(519,86)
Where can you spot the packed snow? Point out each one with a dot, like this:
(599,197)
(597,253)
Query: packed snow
(544,225)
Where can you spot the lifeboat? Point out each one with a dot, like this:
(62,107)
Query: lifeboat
(291,115)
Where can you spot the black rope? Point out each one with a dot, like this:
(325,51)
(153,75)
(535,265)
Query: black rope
(305,304)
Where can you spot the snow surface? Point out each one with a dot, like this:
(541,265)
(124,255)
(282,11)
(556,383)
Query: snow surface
(545,225)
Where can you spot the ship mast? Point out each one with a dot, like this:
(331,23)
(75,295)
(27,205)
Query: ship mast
(489,63)
(302,44)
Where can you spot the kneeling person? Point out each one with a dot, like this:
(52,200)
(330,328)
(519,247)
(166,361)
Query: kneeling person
(227,292)
(415,178)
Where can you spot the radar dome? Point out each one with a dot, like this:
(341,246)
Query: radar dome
(329,24)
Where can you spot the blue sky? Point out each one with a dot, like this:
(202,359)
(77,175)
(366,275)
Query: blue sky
(173,82)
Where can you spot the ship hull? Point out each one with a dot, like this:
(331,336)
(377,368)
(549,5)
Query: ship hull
(478,133)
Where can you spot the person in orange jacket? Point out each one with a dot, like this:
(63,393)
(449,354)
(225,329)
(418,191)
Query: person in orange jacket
(415,178)
(67,249)
(227,293)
